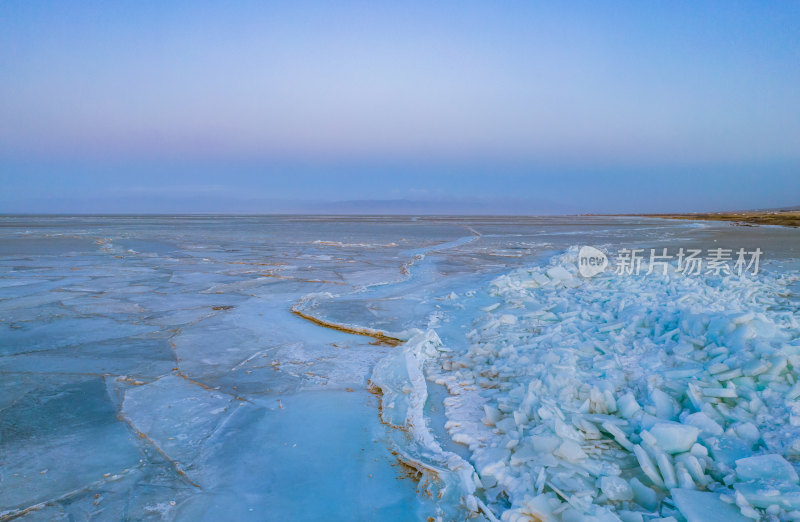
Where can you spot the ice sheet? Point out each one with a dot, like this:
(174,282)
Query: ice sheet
(152,368)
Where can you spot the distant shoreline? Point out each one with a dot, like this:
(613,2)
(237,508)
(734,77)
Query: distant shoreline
(786,218)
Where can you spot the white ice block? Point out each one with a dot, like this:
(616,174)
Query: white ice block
(627,405)
(673,437)
(616,488)
(558,273)
(704,506)
(708,427)
(766,467)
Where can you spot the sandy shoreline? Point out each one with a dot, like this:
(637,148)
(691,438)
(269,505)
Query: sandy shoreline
(786,218)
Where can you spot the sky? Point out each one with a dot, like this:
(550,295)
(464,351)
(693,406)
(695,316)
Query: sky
(518,107)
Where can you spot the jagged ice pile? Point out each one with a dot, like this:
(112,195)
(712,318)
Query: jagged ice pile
(619,397)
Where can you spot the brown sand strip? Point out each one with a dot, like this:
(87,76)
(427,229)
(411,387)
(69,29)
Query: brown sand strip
(368,332)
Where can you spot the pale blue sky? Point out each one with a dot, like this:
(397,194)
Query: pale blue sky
(494,106)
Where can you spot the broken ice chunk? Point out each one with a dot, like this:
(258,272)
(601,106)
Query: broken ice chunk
(763,495)
(571,451)
(748,432)
(693,467)
(708,427)
(698,450)
(537,508)
(507,319)
(522,454)
(491,461)
(794,392)
(492,415)
(766,467)
(667,470)
(630,516)
(756,367)
(628,406)
(703,506)
(558,273)
(665,405)
(646,463)
(643,495)
(684,478)
(506,425)
(176,414)
(726,450)
(728,392)
(619,435)
(616,488)
(674,438)
(544,444)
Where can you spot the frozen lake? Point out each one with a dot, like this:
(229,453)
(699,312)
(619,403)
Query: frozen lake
(205,367)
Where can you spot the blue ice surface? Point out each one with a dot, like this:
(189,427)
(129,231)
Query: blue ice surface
(151,367)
